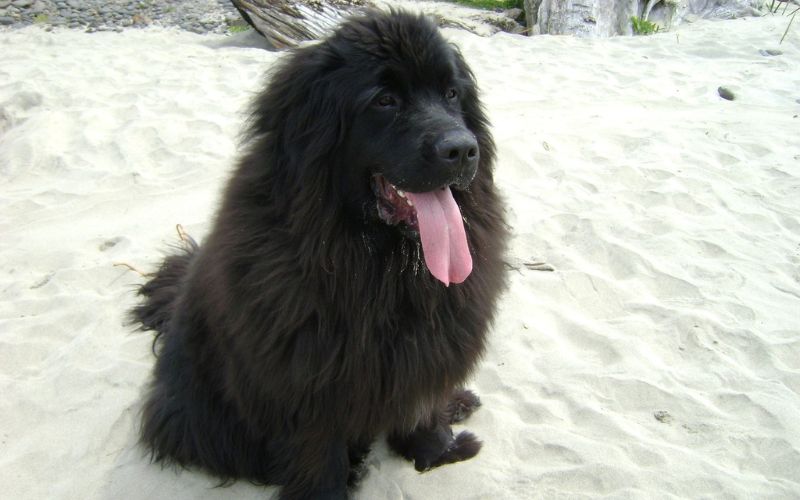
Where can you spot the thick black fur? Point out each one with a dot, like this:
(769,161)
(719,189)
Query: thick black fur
(305,326)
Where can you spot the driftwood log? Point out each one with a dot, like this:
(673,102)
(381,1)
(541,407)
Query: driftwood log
(286,23)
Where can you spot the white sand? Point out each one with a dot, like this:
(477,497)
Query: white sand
(671,216)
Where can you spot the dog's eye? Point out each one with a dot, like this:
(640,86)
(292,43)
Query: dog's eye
(386,101)
(451,93)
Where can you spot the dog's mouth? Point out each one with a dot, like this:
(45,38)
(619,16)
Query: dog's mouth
(394,205)
(436,218)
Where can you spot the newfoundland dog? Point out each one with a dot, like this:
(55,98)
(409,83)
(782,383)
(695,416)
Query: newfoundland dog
(349,279)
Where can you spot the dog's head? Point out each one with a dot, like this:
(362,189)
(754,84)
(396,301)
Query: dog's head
(385,115)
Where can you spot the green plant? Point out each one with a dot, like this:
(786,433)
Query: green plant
(789,25)
(643,26)
(41,19)
(491,4)
(775,5)
(773,9)
(238,28)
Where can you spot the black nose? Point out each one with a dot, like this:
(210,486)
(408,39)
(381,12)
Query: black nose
(457,149)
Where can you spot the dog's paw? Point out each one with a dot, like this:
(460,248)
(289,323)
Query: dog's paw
(465,446)
(356,474)
(463,404)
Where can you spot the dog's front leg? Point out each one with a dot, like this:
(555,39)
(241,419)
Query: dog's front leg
(432,443)
(318,469)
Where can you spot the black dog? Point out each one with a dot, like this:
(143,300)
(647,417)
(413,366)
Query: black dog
(350,277)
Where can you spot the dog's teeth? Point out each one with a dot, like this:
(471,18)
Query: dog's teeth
(401,194)
(408,202)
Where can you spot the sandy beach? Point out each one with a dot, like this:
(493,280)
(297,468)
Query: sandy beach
(659,358)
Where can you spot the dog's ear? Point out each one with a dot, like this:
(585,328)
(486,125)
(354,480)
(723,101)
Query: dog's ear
(474,114)
(300,112)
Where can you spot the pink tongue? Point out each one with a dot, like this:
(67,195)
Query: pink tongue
(444,241)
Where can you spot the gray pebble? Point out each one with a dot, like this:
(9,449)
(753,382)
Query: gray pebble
(5,20)
(726,94)
(770,52)
(199,16)
(663,416)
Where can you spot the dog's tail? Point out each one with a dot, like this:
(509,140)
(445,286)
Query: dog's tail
(161,292)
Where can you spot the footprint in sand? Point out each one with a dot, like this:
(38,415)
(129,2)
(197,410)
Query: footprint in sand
(13,111)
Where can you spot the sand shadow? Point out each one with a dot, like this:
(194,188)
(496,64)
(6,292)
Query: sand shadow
(249,39)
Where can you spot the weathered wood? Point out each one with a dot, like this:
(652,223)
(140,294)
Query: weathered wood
(286,23)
